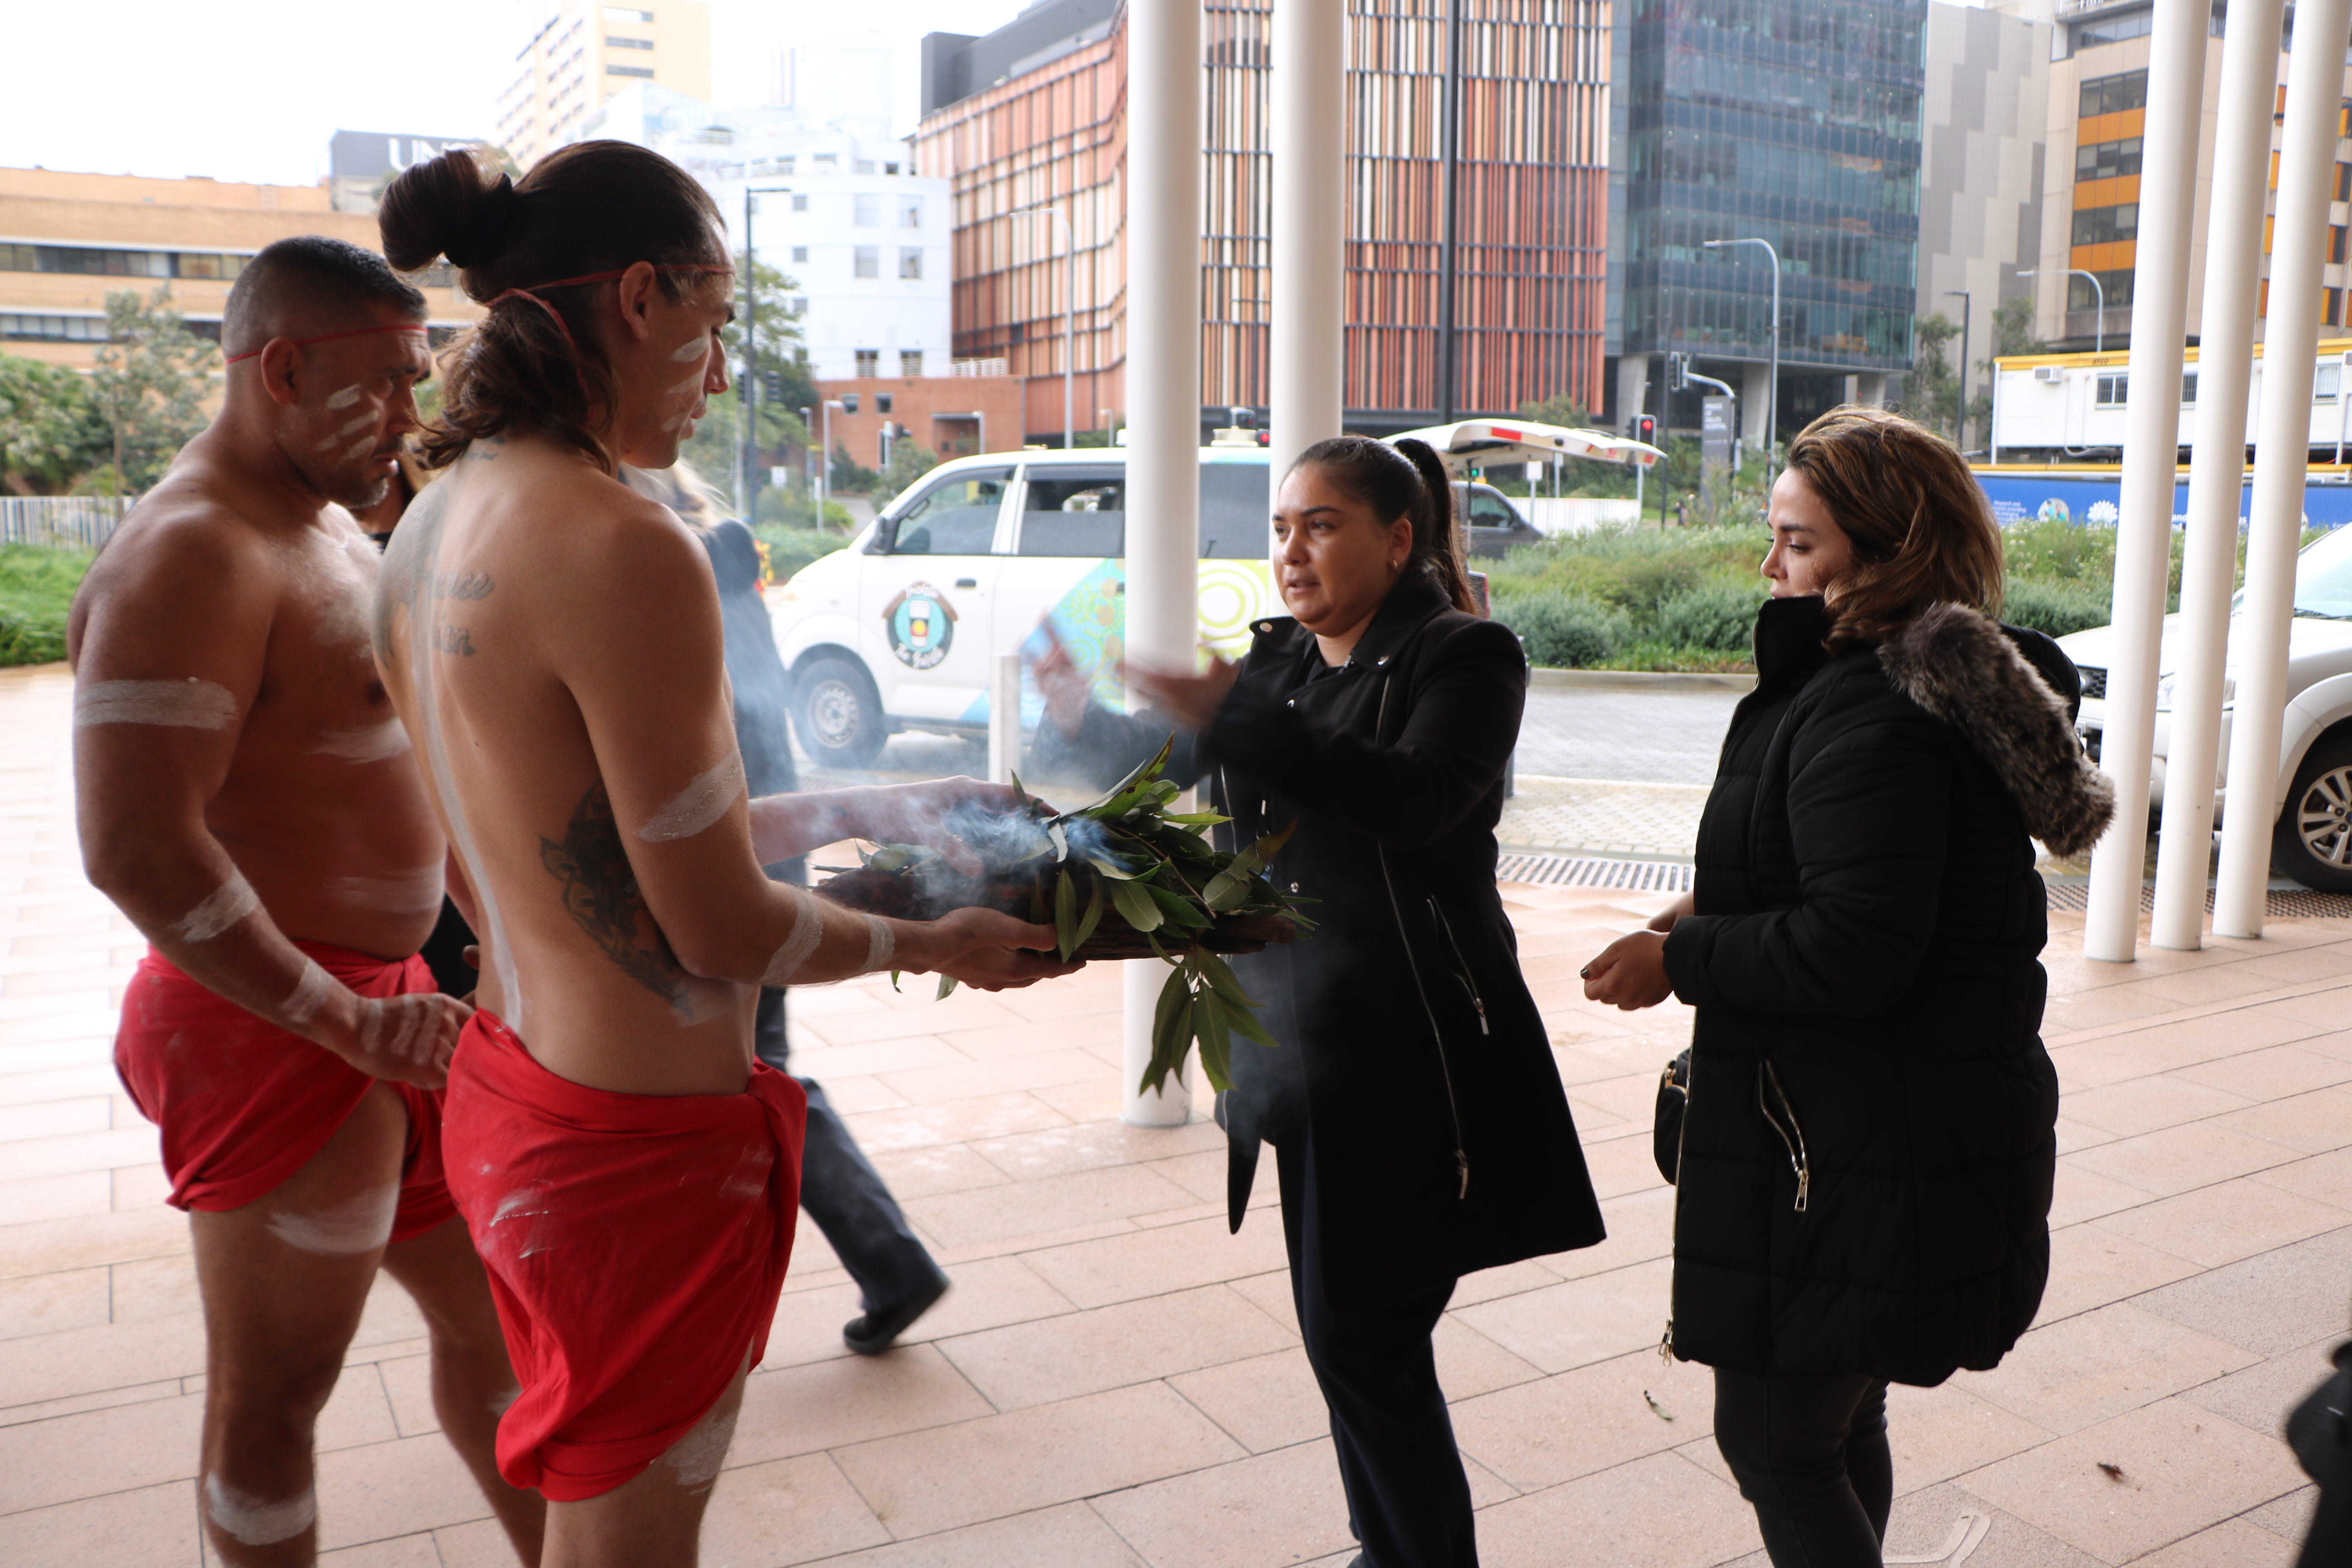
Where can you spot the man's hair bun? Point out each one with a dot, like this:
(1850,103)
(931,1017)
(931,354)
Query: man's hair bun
(454,206)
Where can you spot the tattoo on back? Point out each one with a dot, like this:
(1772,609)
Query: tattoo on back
(601,894)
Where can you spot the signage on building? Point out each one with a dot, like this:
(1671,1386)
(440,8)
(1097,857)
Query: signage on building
(371,155)
(1714,440)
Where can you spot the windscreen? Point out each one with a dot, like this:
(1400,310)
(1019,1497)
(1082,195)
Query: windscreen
(1234,512)
(2322,578)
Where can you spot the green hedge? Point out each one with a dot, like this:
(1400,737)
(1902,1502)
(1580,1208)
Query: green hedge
(2057,608)
(36,590)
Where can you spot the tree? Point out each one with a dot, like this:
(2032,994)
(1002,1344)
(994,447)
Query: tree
(909,462)
(1562,410)
(50,430)
(149,386)
(1933,391)
(847,477)
(780,363)
(2013,331)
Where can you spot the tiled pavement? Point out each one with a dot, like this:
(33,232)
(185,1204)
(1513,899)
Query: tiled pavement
(1116,1381)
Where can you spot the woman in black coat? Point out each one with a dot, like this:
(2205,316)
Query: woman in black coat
(1868,1143)
(1419,1126)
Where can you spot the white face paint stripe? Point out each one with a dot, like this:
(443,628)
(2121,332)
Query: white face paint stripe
(229,903)
(699,804)
(808,930)
(189,704)
(691,350)
(247,1519)
(358,1224)
(881,942)
(361,447)
(311,994)
(688,384)
(360,423)
(346,398)
(367,744)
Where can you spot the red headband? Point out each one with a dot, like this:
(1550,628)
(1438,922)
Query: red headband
(562,326)
(330,337)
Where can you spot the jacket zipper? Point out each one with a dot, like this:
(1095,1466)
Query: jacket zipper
(1438,1036)
(1792,1136)
(1675,1213)
(1469,983)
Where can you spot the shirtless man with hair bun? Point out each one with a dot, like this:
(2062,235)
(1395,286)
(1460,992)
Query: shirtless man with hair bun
(248,798)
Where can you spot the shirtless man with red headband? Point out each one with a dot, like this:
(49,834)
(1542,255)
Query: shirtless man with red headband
(552,640)
(247,796)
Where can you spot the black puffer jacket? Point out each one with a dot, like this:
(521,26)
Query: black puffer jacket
(1868,1148)
(1409,1043)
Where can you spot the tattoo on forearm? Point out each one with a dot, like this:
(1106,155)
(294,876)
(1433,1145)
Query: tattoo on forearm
(600,895)
(453,639)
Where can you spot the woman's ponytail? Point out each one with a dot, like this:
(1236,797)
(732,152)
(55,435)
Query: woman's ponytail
(1407,479)
(1437,543)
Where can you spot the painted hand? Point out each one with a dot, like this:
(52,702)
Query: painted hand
(1068,693)
(1630,973)
(404,1039)
(988,951)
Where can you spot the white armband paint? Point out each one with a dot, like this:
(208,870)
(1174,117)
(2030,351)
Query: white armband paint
(808,930)
(311,994)
(881,942)
(189,704)
(229,903)
(249,1519)
(699,804)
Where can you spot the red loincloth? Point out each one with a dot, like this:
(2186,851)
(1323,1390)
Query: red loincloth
(636,1245)
(244,1104)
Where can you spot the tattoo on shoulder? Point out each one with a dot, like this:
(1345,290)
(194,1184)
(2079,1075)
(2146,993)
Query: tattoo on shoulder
(600,895)
(408,565)
(454,639)
(462,585)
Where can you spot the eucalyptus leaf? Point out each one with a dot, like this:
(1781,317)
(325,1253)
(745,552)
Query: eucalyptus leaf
(1216,1041)
(1061,840)
(1228,986)
(1091,919)
(1066,914)
(1195,818)
(947,984)
(1149,771)
(1136,907)
(1179,909)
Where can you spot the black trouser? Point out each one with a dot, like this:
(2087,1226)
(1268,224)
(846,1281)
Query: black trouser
(1408,1500)
(2328,1543)
(1809,1455)
(843,1192)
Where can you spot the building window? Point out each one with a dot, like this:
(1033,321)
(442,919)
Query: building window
(2107,160)
(2114,390)
(870,364)
(612,43)
(2336,243)
(866,211)
(910,361)
(889,168)
(2115,29)
(53,329)
(625,14)
(2080,296)
(629,71)
(2189,389)
(2326,378)
(2344,181)
(863,166)
(96,261)
(800,204)
(866,261)
(2113,94)
(881,399)
(2098,225)
(829,161)
(911,265)
(799,303)
(910,212)
(800,255)
(2331,313)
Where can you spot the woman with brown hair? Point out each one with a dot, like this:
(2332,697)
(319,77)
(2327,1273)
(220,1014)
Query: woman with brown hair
(1867,1147)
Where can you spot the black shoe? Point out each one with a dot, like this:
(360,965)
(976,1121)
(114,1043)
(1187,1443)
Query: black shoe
(875,1333)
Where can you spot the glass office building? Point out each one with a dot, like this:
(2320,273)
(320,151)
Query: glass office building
(1796,121)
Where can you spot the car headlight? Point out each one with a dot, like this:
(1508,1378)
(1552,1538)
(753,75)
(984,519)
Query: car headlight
(2164,687)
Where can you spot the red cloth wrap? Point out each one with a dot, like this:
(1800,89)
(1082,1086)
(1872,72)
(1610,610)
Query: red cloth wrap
(244,1104)
(636,1245)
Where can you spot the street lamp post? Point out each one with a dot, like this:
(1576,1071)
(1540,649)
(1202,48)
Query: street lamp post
(1069,318)
(1968,310)
(751,399)
(825,461)
(2098,292)
(1771,392)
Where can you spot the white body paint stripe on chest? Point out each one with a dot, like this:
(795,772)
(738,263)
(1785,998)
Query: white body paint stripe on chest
(699,804)
(229,903)
(189,704)
(365,744)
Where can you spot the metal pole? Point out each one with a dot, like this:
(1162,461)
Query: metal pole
(2282,460)
(2216,469)
(825,461)
(2176,75)
(2099,330)
(1450,144)
(1310,226)
(1163,393)
(2342,406)
(751,398)
(1968,315)
(1772,392)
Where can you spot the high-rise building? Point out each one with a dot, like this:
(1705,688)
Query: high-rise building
(1792,122)
(581,53)
(1475,263)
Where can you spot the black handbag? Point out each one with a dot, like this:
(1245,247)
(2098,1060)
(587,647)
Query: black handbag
(1667,1124)
(2319,1431)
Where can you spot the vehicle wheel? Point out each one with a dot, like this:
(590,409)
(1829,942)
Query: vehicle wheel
(2313,841)
(839,714)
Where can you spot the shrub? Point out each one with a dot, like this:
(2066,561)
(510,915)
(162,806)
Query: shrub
(1720,616)
(2057,608)
(790,549)
(1563,631)
(37,589)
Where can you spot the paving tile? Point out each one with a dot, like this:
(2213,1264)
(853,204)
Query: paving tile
(97,1078)
(98,1399)
(972,1079)
(2086,1368)
(2184,1470)
(1621,1166)
(2226,1221)
(2327,1177)
(154,1527)
(877,1057)
(1070,1535)
(51,1117)
(2309,1123)
(1266,1402)
(2177,1158)
(1147,1263)
(111,1355)
(2168,1046)
(73,1196)
(1661,1511)
(2078,1195)
(927,1172)
(2278,1073)
(140,1187)
(966,1009)
(1061,1150)
(392,1489)
(1025,1038)
(916,1126)
(2289,1517)
(1047,1204)
(785,1511)
(2140,1105)
(151,1288)
(1507,1279)
(401,1551)
(2232,1543)
(854,1399)
(1925,1519)
(2090,1266)
(1001,1465)
(1286,1506)
(120,1449)
(2270,1302)
(1580,1321)
(1946,1431)
(1641,1227)
(42,1303)
(2260,1397)
(1113,1347)
(1540,1434)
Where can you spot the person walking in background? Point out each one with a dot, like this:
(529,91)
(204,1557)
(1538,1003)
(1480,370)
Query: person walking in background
(1419,1125)
(897,1281)
(1867,1146)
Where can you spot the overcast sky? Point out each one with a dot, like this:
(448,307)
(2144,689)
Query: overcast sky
(252,89)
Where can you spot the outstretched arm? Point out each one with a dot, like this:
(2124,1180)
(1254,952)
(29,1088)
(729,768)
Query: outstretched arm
(168,657)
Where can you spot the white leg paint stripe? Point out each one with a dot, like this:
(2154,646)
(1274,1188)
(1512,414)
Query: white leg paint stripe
(699,804)
(189,704)
(229,903)
(247,1519)
(361,1225)
(311,994)
(808,930)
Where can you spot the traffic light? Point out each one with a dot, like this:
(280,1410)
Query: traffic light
(1646,429)
(772,386)
(1677,372)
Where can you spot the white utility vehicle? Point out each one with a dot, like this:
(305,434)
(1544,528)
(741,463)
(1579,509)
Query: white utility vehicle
(898,631)
(2311,835)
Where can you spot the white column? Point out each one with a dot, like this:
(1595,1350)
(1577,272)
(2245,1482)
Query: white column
(2315,90)
(2175,77)
(2225,358)
(1310,223)
(1163,407)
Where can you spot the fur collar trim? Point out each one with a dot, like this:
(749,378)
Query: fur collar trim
(1958,665)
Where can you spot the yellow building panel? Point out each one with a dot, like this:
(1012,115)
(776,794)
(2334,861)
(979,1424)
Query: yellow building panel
(2110,257)
(2110,127)
(2107,193)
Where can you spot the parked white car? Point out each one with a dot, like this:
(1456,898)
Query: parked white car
(897,632)
(2311,838)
